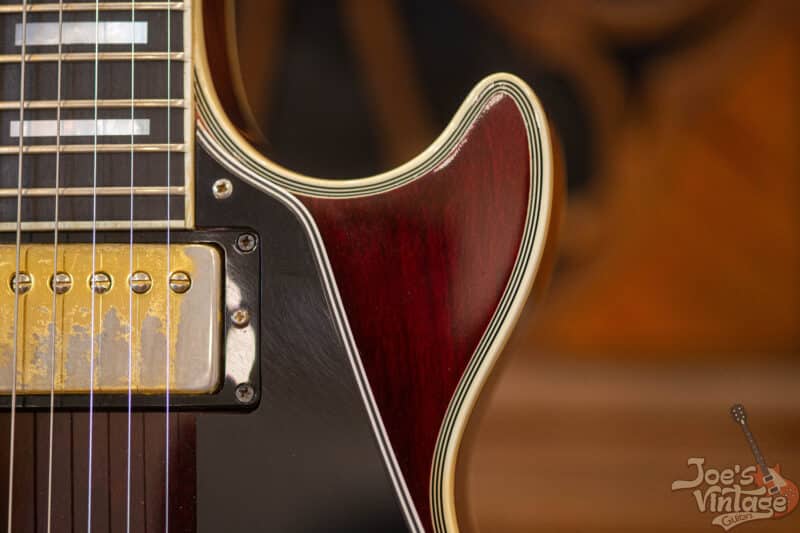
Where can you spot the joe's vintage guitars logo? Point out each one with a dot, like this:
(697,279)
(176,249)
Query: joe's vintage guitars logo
(740,494)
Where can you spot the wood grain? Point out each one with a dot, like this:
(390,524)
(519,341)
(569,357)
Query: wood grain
(421,269)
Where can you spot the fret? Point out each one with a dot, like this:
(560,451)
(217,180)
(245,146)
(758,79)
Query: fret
(100,225)
(51,57)
(174,103)
(91,191)
(91,148)
(90,6)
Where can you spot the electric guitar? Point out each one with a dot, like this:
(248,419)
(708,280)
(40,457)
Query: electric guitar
(193,338)
(767,477)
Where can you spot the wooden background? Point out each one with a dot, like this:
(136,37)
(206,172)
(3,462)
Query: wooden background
(677,286)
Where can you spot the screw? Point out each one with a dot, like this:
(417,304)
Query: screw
(21,283)
(245,393)
(240,318)
(180,282)
(100,282)
(140,282)
(222,189)
(61,282)
(246,243)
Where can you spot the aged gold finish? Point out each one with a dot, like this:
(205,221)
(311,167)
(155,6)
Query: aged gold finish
(140,282)
(180,282)
(61,282)
(21,282)
(141,312)
(100,282)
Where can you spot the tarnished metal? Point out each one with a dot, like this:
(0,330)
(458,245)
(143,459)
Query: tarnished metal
(100,282)
(222,189)
(240,318)
(141,282)
(190,335)
(61,282)
(21,282)
(180,282)
(246,243)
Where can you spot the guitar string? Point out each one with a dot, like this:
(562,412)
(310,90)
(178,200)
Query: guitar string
(168,266)
(53,319)
(18,283)
(130,291)
(93,274)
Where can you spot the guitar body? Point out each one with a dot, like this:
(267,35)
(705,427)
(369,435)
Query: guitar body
(433,262)
(779,485)
(380,307)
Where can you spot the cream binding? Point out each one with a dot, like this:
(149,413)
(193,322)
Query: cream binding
(222,139)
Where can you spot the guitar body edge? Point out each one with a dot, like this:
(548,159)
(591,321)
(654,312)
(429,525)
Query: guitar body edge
(433,262)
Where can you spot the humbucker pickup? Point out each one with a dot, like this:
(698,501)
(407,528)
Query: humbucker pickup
(110,316)
(106,311)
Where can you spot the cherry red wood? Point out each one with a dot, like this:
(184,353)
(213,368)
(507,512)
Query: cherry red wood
(421,269)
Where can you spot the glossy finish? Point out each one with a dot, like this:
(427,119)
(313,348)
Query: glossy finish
(304,459)
(421,270)
(237,348)
(433,259)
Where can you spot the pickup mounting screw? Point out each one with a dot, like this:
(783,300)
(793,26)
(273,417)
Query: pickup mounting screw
(61,282)
(180,282)
(21,282)
(245,393)
(100,282)
(222,189)
(246,243)
(140,282)
(240,318)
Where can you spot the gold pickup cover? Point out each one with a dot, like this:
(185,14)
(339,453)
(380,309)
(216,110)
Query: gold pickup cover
(189,290)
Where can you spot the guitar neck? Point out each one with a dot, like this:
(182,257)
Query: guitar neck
(103,119)
(762,463)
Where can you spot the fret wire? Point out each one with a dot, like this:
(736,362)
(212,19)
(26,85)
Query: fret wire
(89,56)
(80,225)
(87,191)
(85,104)
(89,6)
(89,148)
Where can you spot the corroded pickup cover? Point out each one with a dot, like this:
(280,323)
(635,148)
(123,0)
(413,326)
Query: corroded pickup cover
(126,322)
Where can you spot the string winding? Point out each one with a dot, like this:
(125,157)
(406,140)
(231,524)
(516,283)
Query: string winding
(54,317)
(94,266)
(18,283)
(130,292)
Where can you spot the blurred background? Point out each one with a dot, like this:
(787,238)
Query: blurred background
(676,289)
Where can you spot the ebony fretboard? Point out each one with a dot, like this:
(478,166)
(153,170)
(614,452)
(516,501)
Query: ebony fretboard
(143,58)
